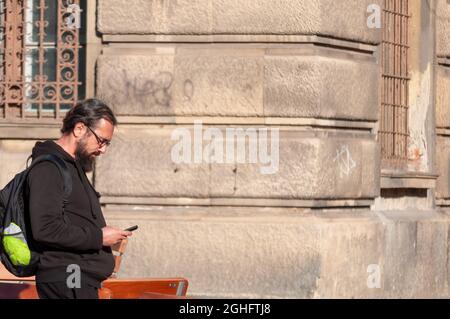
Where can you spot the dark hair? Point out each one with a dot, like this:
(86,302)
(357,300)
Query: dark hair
(88,112)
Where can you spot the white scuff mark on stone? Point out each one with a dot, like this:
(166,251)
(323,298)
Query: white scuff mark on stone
(417,149)
(346,163)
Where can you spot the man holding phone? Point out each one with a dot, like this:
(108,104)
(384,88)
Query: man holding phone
(72,232)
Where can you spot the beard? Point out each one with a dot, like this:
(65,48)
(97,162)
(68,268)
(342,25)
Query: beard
(86,160)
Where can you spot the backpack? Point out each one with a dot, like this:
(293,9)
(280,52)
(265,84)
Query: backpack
(16,243)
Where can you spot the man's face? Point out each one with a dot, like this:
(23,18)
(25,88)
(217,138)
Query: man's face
(90,146)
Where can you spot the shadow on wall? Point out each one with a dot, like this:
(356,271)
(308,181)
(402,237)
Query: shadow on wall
(404,192)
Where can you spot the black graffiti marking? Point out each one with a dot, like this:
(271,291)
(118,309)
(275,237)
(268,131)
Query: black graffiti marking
(151,92)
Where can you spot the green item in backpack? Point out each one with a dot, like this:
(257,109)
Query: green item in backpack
(16,246)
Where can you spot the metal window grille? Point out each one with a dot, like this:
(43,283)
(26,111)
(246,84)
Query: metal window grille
(39,55)
(394,132)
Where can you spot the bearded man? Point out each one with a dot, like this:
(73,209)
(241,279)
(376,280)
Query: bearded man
(74,236)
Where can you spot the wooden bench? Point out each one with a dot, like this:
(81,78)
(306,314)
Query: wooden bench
(12,287)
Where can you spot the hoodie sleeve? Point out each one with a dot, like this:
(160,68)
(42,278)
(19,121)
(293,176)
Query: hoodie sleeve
(46,218)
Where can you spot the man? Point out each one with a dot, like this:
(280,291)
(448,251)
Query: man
(79,237)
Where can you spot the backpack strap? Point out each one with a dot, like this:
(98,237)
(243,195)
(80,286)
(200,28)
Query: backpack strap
(59,162)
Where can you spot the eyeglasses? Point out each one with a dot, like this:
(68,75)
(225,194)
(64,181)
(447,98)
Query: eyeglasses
(101,141)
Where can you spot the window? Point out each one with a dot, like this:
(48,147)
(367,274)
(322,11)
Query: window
(42,58)
(394,131)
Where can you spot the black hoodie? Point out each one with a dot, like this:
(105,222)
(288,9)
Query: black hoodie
(73,239)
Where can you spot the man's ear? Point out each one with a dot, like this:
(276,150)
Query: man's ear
(79,130)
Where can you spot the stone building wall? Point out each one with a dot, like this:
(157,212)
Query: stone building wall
(330,222)
(442,102)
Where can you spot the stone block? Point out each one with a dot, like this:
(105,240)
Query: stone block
(346,19)
(242,252)
(443,167)
(308,166)
(239,83)
(414,265)
(321,87)
(443,28)
(443,97)
(213,85)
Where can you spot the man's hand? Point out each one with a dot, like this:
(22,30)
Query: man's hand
(112,236)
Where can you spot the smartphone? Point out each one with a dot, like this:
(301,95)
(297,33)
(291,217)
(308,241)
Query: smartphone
(132,228)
